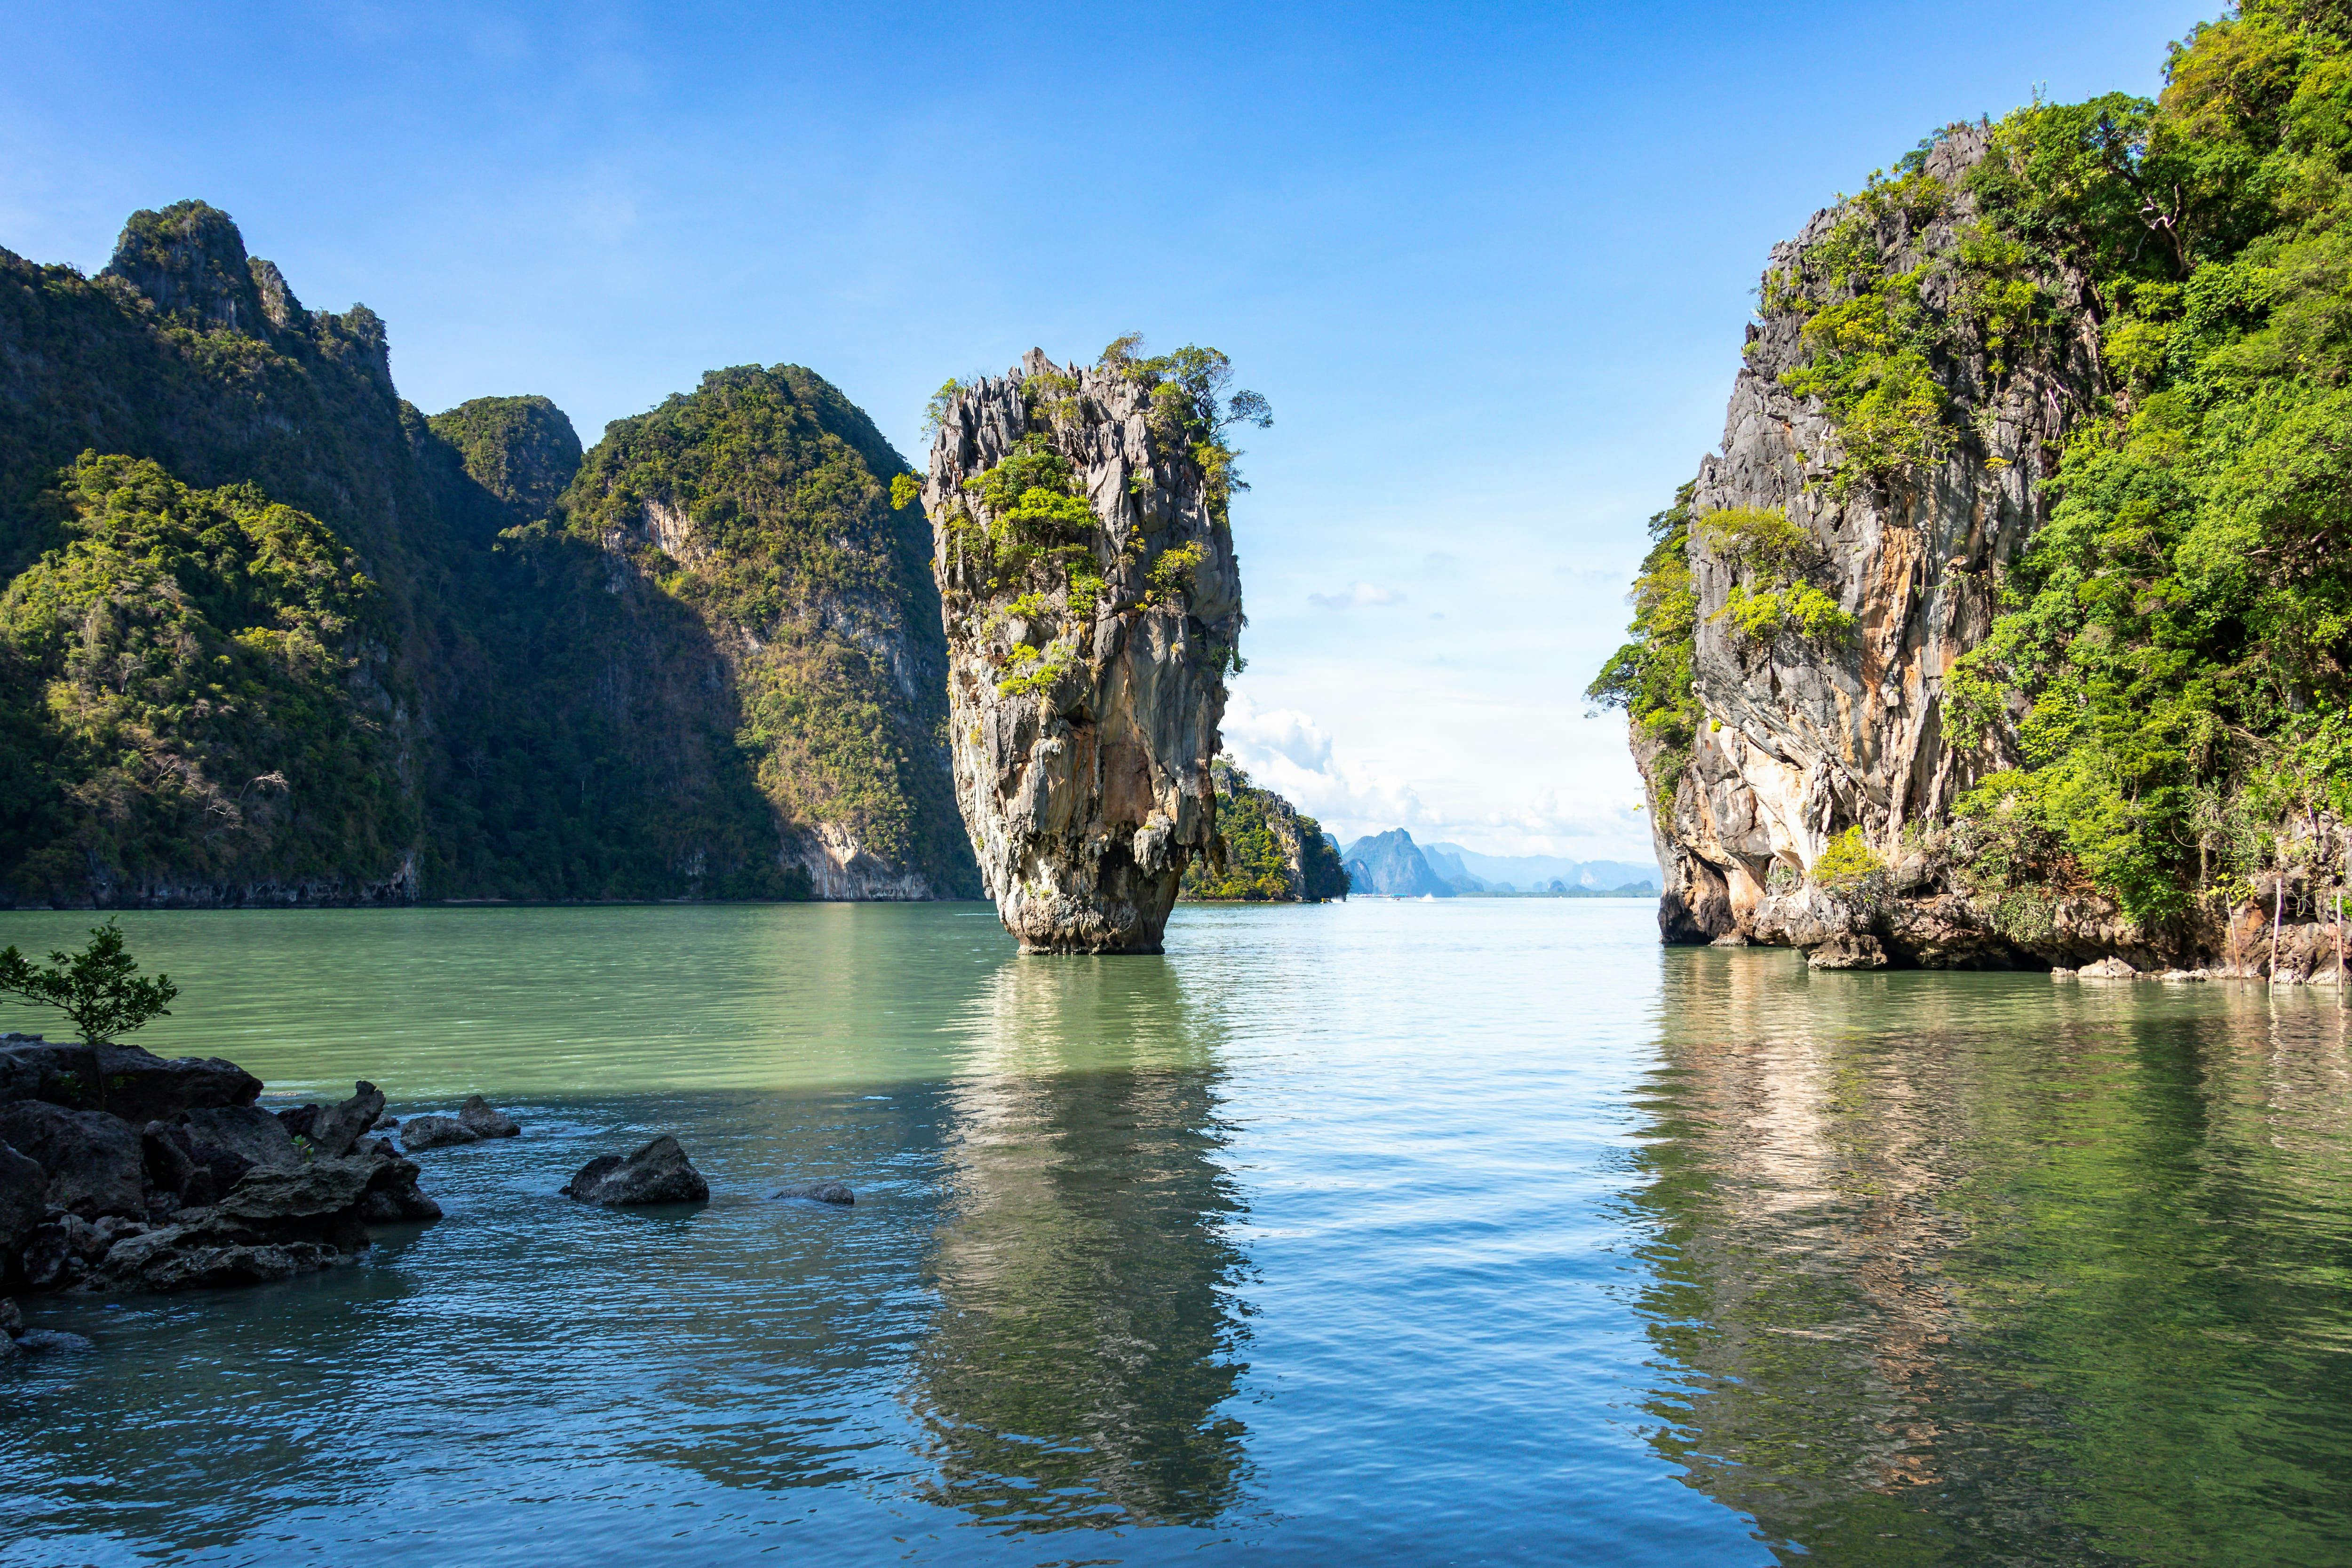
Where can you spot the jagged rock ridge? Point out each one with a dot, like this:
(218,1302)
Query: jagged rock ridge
(1092,603)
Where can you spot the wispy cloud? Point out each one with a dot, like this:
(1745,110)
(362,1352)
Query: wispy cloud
(1362,596)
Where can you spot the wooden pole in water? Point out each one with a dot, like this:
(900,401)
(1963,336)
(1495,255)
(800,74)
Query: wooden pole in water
(2278,908)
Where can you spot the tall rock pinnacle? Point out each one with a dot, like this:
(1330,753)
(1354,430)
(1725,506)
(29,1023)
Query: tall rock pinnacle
(1093,607)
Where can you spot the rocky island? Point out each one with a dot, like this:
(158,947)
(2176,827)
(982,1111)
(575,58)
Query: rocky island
(1093,607)
(2007,626)
(382,656)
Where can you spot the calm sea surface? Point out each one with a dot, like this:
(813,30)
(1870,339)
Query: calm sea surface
(1481,1231)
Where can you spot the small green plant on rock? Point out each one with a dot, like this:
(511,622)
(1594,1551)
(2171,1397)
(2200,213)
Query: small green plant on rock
(1778,556)
(98,988)
(1848,868)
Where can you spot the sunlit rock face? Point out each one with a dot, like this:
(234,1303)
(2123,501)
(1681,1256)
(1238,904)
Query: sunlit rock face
(1799,739)
(1093,607)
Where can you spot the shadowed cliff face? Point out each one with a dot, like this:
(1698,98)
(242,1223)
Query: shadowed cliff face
(1092,604)
(700,661)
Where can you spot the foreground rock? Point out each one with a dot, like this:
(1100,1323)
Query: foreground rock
(658,1174)
(204,1187)
(819,1192)
(1093,605)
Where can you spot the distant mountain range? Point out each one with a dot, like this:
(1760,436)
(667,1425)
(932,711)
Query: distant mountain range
(1535,873)
(1392,864)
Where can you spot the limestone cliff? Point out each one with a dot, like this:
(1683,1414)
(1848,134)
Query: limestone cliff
(284,639)
(1092,606)
(1802,734)
(1269,852)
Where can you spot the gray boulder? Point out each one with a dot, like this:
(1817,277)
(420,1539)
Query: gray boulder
(819,1192)
(2108,969)
(658,1174)
(205,1254)
(37,1340)
(420,1132)
(60,1252)
(24,1199)
(484,1121)
(335,1129)
(92,1159)
(1846,951)
(141,1086)
(250,1133)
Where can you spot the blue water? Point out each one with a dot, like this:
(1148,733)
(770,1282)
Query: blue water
(1480,1231)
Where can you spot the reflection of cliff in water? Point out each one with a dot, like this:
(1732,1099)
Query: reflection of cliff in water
(1085,1335)
(1908,1237)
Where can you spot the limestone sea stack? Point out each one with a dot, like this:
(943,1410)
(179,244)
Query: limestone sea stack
(1093,608)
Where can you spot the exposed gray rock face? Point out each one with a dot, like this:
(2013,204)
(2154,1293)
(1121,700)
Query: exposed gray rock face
(218,1193)
(484,1120)
(658,1174)
(93,1161)
(1082,723)
(246,1131)
(1799,739)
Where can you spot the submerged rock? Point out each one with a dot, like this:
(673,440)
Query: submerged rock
(36,1341)
(1093,605)
(420,1132)
(819,1192)
(484,1120)
(1848,950)
(658,1174)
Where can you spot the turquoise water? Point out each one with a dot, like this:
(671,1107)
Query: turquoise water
(1459,1232)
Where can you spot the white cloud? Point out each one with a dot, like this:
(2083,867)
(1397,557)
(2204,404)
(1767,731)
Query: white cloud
(1362,595)
(1286,750)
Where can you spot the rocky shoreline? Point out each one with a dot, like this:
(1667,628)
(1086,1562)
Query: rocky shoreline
(121,1171)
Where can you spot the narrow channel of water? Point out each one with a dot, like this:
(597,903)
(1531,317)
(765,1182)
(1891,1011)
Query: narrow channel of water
(1481,1231)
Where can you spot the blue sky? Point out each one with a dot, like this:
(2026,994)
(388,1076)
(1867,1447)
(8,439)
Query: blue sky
(1490,265)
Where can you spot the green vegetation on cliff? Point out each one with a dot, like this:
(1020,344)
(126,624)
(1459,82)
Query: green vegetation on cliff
(271,634)
(1650,675)
(173,671)
(763,503)
(1273,853)
(2161,705)
(2180,632)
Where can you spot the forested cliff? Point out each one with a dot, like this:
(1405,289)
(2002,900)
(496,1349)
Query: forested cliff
(269,634)
(2012,622)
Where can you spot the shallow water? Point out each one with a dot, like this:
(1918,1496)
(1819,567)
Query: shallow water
(1481,1231)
